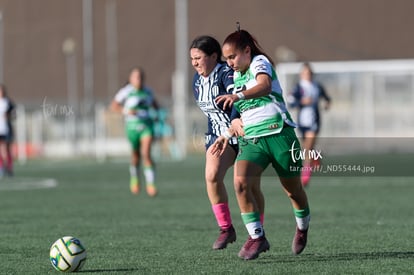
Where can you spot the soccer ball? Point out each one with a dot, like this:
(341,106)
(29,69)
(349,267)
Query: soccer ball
(67,254)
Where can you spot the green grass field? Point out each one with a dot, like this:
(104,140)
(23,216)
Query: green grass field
(360,225)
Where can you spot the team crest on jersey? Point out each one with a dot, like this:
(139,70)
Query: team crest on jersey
(273,126)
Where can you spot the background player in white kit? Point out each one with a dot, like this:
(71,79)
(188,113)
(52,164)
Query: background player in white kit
(135,101)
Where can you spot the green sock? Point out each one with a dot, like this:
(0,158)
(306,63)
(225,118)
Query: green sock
(301,213)
(250,217)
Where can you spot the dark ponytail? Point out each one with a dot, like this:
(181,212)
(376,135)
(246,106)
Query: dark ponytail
(241,39)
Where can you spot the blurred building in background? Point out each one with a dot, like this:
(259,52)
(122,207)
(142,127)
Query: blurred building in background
(63,61)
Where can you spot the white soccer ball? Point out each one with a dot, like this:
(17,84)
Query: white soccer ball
(67,254)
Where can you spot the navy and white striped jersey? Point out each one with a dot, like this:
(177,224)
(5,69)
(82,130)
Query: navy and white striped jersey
(206,89)
(6,107)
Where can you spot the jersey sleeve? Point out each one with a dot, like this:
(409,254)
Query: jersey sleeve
(323,93)
(228,79)
(121,95)
(194,86)
(260,64)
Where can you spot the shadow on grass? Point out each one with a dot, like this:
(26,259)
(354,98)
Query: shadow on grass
(343,257)
(107,270)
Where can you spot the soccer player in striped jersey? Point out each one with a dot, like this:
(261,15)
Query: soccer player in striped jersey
(134,101)
(268,137)
(6,133)
(212,79)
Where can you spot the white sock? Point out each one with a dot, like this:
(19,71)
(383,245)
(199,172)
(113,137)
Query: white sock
(133,171)
(303,223)
(255,229)
(149,175)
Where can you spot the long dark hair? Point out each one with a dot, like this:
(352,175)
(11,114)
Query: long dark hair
(209,45)
(241,39)
(141,71)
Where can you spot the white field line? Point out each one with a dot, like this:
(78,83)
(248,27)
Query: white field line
(27,184)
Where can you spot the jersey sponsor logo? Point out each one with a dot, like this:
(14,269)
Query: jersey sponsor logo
(273,126)
(204,104)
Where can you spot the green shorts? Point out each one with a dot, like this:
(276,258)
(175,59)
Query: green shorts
(136,130)
(278,149)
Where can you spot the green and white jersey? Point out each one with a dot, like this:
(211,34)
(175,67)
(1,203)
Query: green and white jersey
(264,115)
(139,101)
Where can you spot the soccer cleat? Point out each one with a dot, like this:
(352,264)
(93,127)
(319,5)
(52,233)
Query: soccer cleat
(226,236)
(299,241)
(134,186)
(151,190)
(253,247)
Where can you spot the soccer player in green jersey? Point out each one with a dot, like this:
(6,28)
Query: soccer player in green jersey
(267,137)
(134,101)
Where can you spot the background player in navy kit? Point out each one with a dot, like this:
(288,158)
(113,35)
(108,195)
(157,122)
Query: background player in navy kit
(213,78)
(306,96)
(6,132)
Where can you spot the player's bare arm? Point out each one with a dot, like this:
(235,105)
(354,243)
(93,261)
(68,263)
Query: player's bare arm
(116,107)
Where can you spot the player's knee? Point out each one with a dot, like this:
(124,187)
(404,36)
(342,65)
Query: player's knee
(241,187)
(212,177)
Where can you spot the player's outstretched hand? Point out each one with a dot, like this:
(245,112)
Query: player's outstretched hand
(219,146)
(227,100)
(237,127)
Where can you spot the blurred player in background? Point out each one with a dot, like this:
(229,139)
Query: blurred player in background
(213,78)
(135,102)
(6,132)
(306,96)
(268,136)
